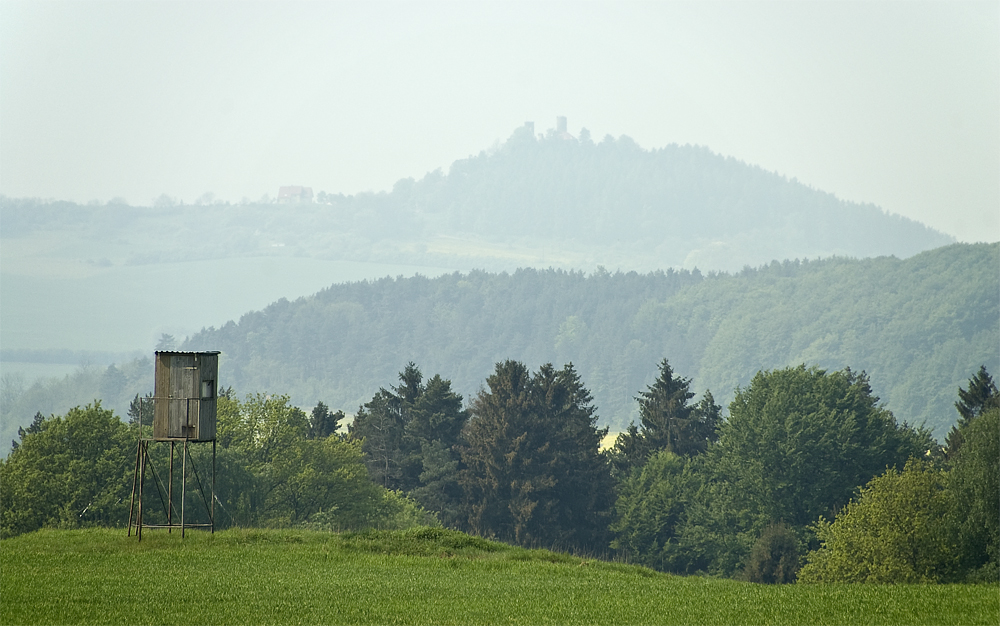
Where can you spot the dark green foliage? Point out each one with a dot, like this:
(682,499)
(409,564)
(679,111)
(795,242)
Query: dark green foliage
(982,395)
(796,444)
(774,558)
(399,428)
(975,483)
(71,471)
(140,411)
(323,422)
(668,422)
(34,427)
(533,474)
(651,508)
(378,426)
(799,440)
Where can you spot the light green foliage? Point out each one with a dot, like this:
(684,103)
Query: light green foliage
(899,529)
(261,426)
(74,470)
(296,478)
(975,483)
(420,576)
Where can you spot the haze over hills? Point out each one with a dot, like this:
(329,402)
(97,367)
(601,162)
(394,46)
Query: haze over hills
(111,278)
(920,327)
(541,201)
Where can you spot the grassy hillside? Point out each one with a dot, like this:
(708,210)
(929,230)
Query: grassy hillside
(422,576)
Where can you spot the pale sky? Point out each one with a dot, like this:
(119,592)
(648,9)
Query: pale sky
(897,103)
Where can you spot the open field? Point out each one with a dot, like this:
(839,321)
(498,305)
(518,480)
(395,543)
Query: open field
(419,576)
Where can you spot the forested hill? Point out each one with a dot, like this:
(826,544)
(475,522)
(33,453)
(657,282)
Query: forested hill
(920,327)
(531,201)
(670,207)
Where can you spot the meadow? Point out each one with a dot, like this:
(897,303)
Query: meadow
(418,576)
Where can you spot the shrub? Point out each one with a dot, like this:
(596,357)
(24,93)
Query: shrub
(774,558)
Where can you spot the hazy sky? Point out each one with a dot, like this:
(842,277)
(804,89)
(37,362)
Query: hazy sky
(894,103)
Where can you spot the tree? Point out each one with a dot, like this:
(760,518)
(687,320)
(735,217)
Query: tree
(397,427)
(982,395)
(668,422)
(975,482)
(774,558)
(73,471)
(650,509)
(795,446)
(262,425)
(798,441)
(378,425)
(533,471)
(896,530)
(113,383)
(292,475)
(140,411)
(323,423)
(436,414)
(22,432)
(315,475)
(165,343)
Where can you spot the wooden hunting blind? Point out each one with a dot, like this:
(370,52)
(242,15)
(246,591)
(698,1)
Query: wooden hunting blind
(185,396)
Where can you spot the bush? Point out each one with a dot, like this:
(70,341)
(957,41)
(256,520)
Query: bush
(774,558)
(898,530)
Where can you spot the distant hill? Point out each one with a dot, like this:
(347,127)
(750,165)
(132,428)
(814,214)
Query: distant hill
(571,205)
(528,202)
(639,209)
(920,327)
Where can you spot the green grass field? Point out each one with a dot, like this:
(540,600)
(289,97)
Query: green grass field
(421,576)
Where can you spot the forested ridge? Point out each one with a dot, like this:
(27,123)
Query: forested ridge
(916,326)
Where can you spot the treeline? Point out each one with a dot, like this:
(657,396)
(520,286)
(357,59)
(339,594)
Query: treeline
(915,325)
(276,467)
(808,478)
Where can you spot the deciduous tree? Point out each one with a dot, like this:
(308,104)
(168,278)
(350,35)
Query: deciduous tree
(897,530)
(74,470)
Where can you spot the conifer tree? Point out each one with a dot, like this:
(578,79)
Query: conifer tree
(668,422)
(534,474)
(980,397)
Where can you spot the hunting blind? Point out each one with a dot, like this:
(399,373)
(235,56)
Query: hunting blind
(185,398)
